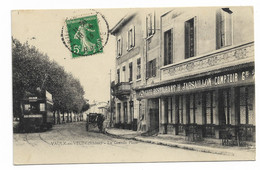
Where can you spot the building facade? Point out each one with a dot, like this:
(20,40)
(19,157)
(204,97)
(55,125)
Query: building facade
(197,72)
(129,52)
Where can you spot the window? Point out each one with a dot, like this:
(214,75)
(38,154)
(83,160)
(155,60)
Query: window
(210,107)
(227,106)
(26,106)
(118,76)
(180,109)
(246,105)
(224,28)
(138,73)
(150,25)
(180,115)
(119,46)
(170,110)
(190,38)
(131,38)
(130,72)
(193,104)
(151,68)
(42,107)
(168,47)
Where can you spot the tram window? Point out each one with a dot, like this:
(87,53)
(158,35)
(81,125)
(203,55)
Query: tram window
(42,107)
(26,107)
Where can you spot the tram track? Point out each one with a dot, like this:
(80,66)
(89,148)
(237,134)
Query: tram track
(43,139)
(26,139)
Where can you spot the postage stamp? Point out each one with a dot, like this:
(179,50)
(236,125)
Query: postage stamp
(84,36)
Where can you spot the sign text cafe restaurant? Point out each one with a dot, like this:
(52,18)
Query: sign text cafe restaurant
(210,106)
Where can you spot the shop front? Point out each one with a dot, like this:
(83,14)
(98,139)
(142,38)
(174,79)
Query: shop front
(219,104)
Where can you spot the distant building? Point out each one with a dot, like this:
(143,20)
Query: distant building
(187,70)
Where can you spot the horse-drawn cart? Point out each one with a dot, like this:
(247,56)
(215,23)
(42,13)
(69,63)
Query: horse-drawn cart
(95,120)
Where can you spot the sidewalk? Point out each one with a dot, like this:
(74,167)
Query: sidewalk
(245,153)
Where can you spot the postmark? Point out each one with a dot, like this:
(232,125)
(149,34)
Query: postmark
(86,34)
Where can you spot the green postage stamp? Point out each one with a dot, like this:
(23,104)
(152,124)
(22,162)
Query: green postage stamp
(84,36)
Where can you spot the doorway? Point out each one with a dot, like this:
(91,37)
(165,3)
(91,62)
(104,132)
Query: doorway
(153,111)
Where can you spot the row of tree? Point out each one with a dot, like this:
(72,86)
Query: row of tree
(33,69)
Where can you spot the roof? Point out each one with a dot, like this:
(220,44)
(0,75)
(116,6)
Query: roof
(121,23)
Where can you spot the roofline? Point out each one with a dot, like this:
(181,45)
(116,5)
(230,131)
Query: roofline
(121,22)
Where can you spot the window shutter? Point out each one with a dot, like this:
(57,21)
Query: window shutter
(187,40)
(133,34)
(154,67)
(118,46)
(171,48)
(147,70)
(121,46)
(153,23)
(218,29)
(146,27)
(228,29)
(127,40)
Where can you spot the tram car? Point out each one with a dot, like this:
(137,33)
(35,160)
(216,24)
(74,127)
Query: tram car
(36,111)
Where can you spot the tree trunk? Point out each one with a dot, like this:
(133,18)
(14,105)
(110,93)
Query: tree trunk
(54,118)
(63,117)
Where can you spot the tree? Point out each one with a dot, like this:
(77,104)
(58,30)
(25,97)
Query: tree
(33,69)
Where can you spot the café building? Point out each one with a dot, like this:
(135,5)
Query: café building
(206,65)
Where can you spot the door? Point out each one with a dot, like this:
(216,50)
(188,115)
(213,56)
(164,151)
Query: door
(153,105)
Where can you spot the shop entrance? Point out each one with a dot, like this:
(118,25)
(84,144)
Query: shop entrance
(153,110)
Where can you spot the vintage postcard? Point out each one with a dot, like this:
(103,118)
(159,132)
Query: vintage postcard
(133,85)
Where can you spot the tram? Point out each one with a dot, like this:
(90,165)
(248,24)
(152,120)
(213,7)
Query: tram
(36,111)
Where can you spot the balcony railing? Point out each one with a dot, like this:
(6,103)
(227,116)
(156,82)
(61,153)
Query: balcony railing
(226,57)
(121,89)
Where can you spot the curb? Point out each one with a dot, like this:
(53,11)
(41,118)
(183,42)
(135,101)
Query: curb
(185,146)
(175,145)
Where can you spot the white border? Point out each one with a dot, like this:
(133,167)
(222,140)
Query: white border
(6,78)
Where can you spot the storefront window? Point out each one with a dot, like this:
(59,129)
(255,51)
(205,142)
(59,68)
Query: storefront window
(180,115)
(180,109)
(227,106)
(246,105)
(170,114)
(193,105)
(210,107)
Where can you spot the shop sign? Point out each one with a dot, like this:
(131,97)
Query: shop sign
(213,81)
(32,99)
(240,53)
(33,116)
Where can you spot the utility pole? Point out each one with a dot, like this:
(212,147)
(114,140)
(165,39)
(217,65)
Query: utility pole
(110,100)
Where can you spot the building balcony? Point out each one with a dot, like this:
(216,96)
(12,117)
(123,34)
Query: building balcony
(230,56)
(121,90)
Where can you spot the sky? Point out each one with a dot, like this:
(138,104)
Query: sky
(42,29)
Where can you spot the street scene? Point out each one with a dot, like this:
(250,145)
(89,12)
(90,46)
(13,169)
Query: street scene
(71,143)
(133,85)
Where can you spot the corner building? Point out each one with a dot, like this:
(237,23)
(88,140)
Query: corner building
(197,72)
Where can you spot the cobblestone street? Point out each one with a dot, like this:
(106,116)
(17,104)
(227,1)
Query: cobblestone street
(71,143)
